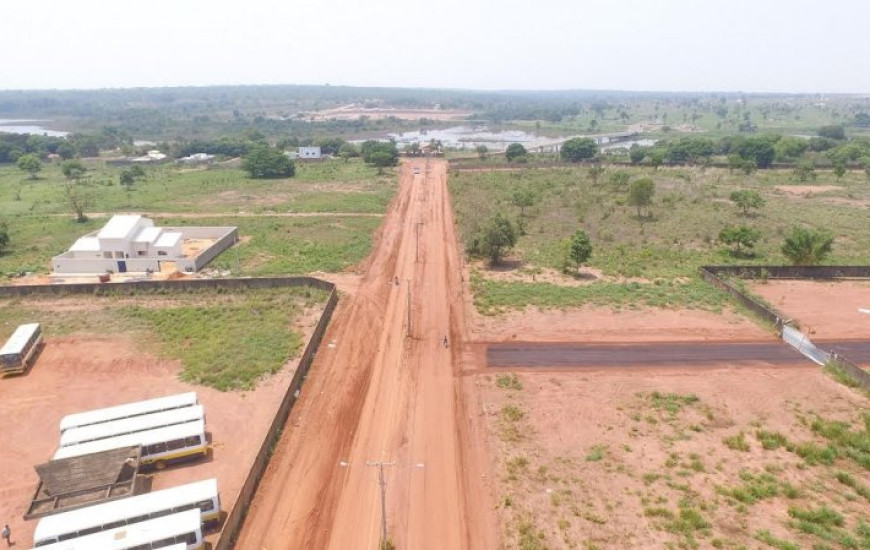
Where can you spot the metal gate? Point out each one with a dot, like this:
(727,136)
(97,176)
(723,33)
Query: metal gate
(800,342)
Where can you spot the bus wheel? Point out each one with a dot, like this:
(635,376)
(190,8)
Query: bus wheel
(160,465)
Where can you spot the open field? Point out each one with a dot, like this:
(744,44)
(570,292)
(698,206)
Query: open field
(321,220)
(823,309)
(652,260)
(102,351)
(720,458)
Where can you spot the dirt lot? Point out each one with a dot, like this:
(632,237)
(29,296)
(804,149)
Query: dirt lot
(353,112)
(825,310)
(84,372)
(605,325)
(598,460)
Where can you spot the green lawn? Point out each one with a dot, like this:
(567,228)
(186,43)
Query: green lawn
(40,226)
(226,341)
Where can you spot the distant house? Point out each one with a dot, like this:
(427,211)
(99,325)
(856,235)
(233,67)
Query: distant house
(131,242)
(197,158)
(310,153)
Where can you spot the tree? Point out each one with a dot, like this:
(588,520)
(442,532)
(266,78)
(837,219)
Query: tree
(523,198)
(840,169)
(497,238)
(66,151)
(127,179)
(595,172)
(381,159)
(481,151)
(578,149)
(347,151)
(265,162)
(515,151)
(832,131)
(72,169)
(807,246)
(862,120)
(640,194)
(413,149)
(739,236)
(805,170)
(636,153)
(579,249)
(30,164)
(380,153)
(760,149)
(4,235)
(78,198)
(747,199)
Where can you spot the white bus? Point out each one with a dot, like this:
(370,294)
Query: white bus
(20,348)
(128,410)
(201,495)
(160,447)
(181,530)
(114,428)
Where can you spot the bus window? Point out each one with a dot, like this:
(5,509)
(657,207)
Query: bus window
(205,505)
(189,538)
(163,543)
(176,444)
(160,514)
(113,525)
(89,531)
(156,448)
(191,441)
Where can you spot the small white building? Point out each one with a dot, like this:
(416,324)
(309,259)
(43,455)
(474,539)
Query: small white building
(197,158)
(131,243)
(310,153)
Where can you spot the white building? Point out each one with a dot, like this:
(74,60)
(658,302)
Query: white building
(131,242)
(310,153)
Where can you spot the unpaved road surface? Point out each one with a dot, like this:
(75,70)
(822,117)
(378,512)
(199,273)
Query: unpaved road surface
(683,354)
(376,394)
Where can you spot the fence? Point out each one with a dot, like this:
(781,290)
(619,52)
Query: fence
(235,517)
(790,335)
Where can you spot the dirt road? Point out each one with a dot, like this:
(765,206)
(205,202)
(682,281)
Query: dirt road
(377,394)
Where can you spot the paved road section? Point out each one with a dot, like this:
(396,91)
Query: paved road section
(523,354)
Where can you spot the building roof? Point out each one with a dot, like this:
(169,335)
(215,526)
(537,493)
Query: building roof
(83,480)
(148,235)
(121,226)
(86,244)
(168,239)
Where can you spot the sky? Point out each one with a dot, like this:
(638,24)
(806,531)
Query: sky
(655,45)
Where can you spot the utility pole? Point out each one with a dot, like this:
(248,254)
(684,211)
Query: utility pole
(382,482)
(417,252)
(409,307)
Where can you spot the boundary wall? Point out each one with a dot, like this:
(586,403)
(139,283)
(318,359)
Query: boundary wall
(236,516)
(717,276)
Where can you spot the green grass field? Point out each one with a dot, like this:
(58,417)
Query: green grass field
(40,225)
(690,208)
(227,341)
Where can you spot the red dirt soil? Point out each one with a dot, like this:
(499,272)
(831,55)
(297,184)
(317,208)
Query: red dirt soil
(606,325)
(74,374)
(374,394)
(826,310)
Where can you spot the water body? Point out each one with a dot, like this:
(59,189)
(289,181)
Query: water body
(9,126)
(469,137)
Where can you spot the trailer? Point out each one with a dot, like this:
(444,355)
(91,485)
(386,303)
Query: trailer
(20,349)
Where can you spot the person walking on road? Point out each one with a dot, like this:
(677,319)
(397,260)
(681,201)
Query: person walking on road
(7,535)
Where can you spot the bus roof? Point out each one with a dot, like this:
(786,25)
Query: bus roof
(104,430)
(19,339)
(50,527)
(135,534)
(148,437)
(128,409)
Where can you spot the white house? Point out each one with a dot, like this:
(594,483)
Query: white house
(310,153)
(130,242)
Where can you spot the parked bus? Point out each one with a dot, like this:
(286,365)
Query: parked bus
(201,495)
(105,430)
(128,410)
(20,348)
(160,447)
(176,531)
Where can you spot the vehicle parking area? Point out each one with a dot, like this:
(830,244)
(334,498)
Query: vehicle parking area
(83,372)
